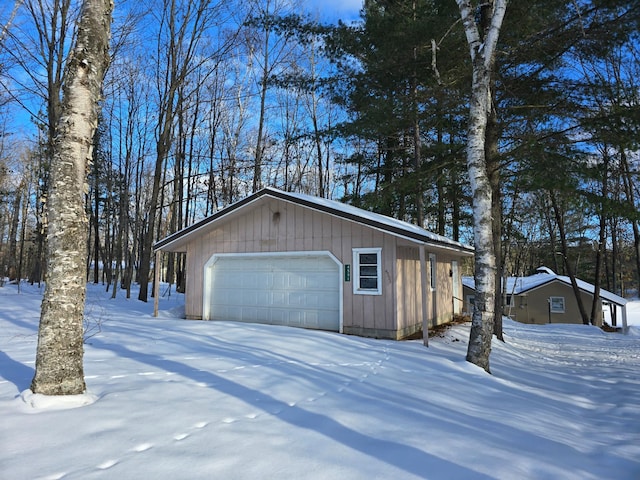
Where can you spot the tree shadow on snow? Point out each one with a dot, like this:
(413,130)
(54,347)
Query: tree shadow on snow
(401,456)
(15,372)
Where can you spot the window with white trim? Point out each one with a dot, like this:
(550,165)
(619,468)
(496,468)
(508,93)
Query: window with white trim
(367,268)
(556,304)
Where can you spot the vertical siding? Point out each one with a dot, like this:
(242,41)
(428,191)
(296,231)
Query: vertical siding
(273,225)
(444,311)
(408,290)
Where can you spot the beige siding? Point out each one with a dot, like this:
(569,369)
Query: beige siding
(534,306)
(442,312)
(274,225)
(408,291)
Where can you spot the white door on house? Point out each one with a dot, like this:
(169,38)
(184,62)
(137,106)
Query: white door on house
(301,290)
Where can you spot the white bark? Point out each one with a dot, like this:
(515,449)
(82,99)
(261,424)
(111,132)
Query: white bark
(59,357)
(482,52)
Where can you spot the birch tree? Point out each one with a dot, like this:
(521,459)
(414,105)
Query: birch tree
(482,43)
(59,356)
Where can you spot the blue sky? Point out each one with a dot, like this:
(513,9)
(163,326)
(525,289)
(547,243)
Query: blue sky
(334,10)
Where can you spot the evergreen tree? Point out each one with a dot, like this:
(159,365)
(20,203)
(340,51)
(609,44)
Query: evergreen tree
(401,87)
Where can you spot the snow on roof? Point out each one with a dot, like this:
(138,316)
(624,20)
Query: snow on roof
(384,220)
(343,210)
(544,269)
(520,285)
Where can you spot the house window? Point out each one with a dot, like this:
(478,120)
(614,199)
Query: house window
(556,304)
(471,301)
(432,271)
(509,301)
(367,271)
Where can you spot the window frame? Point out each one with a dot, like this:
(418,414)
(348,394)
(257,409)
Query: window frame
(557,310)
(510,300)
(433,272)
(357,290)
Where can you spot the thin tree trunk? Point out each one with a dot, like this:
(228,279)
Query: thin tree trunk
(567,264)
(13,230)
(629,183)
(23,231)
(493,169)
(59,356)
(601,242)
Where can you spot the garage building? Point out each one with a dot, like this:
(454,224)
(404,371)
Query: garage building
(291,259)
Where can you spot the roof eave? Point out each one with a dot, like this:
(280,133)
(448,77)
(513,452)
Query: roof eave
(397,231)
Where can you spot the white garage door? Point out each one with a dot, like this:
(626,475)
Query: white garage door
(296,290)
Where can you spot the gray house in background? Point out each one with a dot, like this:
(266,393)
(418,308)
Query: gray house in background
(291,259)
(546,297)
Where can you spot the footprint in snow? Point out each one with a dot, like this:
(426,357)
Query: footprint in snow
(53,476)
(108,464)
(143,447)
(180,436)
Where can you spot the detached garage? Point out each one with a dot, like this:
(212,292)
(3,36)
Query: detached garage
(301,289)
(290,259)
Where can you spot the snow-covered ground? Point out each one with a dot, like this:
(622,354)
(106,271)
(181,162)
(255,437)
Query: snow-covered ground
(176,399)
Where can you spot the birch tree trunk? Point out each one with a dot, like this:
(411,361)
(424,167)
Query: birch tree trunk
(59,366)
(482,51)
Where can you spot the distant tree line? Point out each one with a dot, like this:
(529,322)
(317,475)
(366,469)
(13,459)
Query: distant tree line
(207,101)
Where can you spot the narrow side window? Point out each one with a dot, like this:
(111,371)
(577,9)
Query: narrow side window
(433,278)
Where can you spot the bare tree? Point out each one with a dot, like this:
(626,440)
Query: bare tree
(183,25)
(37,47)
(268,52)
(5,28)
(59,357)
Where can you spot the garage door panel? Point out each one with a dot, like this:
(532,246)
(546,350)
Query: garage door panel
(301,291)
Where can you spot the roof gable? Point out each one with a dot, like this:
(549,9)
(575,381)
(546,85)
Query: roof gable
(331,207)
(521,285)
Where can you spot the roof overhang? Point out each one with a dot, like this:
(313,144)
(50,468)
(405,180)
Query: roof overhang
(177,242)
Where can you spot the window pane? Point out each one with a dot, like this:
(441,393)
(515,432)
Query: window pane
(369,271)
(368,259)
(432,269)
(369,283)
(557,304)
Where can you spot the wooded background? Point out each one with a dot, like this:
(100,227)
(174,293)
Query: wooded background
(207,101)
